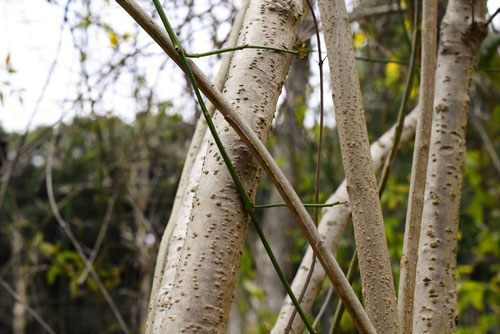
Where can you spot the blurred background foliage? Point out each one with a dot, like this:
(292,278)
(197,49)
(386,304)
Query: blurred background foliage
(119,178)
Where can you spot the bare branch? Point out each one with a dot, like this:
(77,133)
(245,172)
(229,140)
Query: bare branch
(486,140)
(265,159)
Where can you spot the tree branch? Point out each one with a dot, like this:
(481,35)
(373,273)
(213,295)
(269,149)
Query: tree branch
(259,151)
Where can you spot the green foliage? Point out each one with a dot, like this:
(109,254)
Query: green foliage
(94,159)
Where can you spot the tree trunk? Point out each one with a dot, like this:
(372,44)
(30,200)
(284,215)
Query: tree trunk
(200,295)
(419,166)
(435,305)
(374,264)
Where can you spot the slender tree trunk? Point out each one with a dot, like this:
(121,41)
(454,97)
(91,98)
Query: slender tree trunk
(419,167)
(435,308)
(19,277)
(200,295)
(374,263)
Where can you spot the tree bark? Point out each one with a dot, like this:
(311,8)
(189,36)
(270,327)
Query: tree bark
(200,295)
(190,178)
(374,263)
(419,167)
(435,308)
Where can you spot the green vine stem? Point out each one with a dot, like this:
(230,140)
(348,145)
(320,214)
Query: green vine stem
(307,205)
(239,47)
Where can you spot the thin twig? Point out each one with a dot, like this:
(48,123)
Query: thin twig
(318,163)
(65,227)
(28,308)
(486,140)
(403,107)
(383,61)
(340,306)
(361,13)
(307,205)
(101,234)
(240,47)
(13,163)
(492,17)
(402,18)
(322,310)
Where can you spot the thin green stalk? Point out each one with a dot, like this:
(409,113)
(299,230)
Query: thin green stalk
(247,204)
(397,136)
(307,205)
(239,47)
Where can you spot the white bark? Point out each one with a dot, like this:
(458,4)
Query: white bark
(374,263)
(252,141)
(170,248)
(435,307)
(419,168)
(206,268)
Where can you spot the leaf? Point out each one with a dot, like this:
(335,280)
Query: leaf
(113,39)
(359,40)
(391,72)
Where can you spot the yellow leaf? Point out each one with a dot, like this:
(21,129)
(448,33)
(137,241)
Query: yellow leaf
(359,40)
(113,39)
(391,72)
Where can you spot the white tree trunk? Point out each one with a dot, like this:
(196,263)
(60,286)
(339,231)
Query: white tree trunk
(200,293)
(419,167)
(435,307)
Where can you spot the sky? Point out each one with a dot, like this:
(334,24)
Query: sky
(31,39)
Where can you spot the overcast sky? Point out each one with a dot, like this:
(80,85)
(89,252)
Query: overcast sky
(30,33)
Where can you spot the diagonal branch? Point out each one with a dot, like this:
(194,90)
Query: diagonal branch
(265,159)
